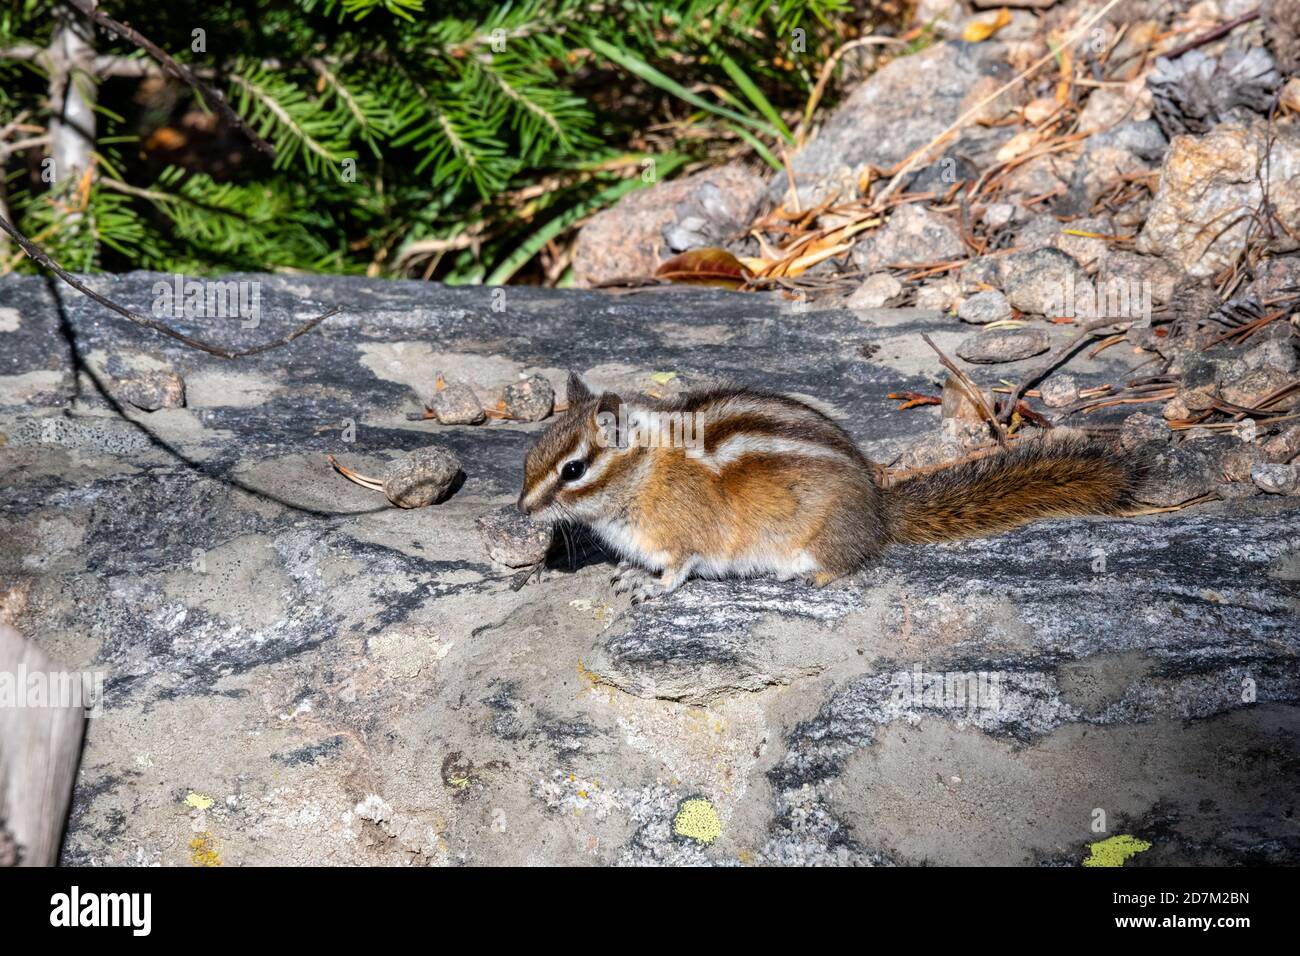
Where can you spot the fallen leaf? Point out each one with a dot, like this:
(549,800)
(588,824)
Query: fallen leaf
(981,30)
(716,267)
(662,378)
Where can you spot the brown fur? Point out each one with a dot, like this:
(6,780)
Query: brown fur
(1048,478)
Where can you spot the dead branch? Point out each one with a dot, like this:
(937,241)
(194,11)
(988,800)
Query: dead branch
(214,100)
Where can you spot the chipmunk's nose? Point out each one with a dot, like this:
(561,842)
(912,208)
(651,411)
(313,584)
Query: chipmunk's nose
(521,506)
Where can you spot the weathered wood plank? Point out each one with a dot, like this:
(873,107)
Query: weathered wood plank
(40,747)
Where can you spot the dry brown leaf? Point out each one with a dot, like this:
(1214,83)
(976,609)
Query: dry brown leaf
(715,267)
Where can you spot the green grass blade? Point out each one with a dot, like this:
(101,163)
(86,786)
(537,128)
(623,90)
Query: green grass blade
(757,146)
(752,92)
(652,76)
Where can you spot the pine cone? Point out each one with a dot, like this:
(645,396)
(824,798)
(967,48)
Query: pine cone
(1196,92)
(1239,310)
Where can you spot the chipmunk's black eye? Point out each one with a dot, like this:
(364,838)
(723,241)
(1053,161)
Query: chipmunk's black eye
(573,470)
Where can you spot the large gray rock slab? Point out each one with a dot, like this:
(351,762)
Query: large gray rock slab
(297,672)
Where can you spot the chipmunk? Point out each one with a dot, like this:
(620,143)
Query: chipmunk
(776,487)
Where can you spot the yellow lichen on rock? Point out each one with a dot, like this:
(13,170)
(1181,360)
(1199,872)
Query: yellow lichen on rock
(1115,850)
(203,851)
(697,820)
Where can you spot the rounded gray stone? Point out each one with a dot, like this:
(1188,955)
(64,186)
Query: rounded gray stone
(1059,391)
(150,391)
(530,400)
(456,404)
(1276,479)
(1141,429)
(985,307)
(512,538)
(421,478)
(1038,281)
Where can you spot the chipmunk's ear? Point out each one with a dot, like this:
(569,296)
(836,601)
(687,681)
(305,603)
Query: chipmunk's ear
(609,402)
(576,391)
(606,420)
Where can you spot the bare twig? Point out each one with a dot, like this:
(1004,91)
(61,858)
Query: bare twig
(180,71)
(973,391)
(39,256)
(19,145)
(1052,361)
(1212,35)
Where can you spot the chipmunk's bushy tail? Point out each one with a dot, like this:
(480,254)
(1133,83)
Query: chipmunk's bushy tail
(1048,478)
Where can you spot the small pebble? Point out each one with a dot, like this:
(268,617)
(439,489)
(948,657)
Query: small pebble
(985,307)
(456,404)
(150,391)
(1059,391)
(1038,281)
(1276,353)
(876,292)
(1276,479)
(512,538)
(1196,399)
(421,478)
(1004,345)
(530,400)
(1176,410)
(1178,473)
(938,296)
(998,214)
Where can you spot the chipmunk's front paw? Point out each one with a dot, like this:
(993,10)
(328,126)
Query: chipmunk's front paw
(648,589)
(629,577)
(821,578)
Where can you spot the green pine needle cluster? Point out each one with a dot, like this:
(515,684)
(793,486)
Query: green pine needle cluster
(453,140)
